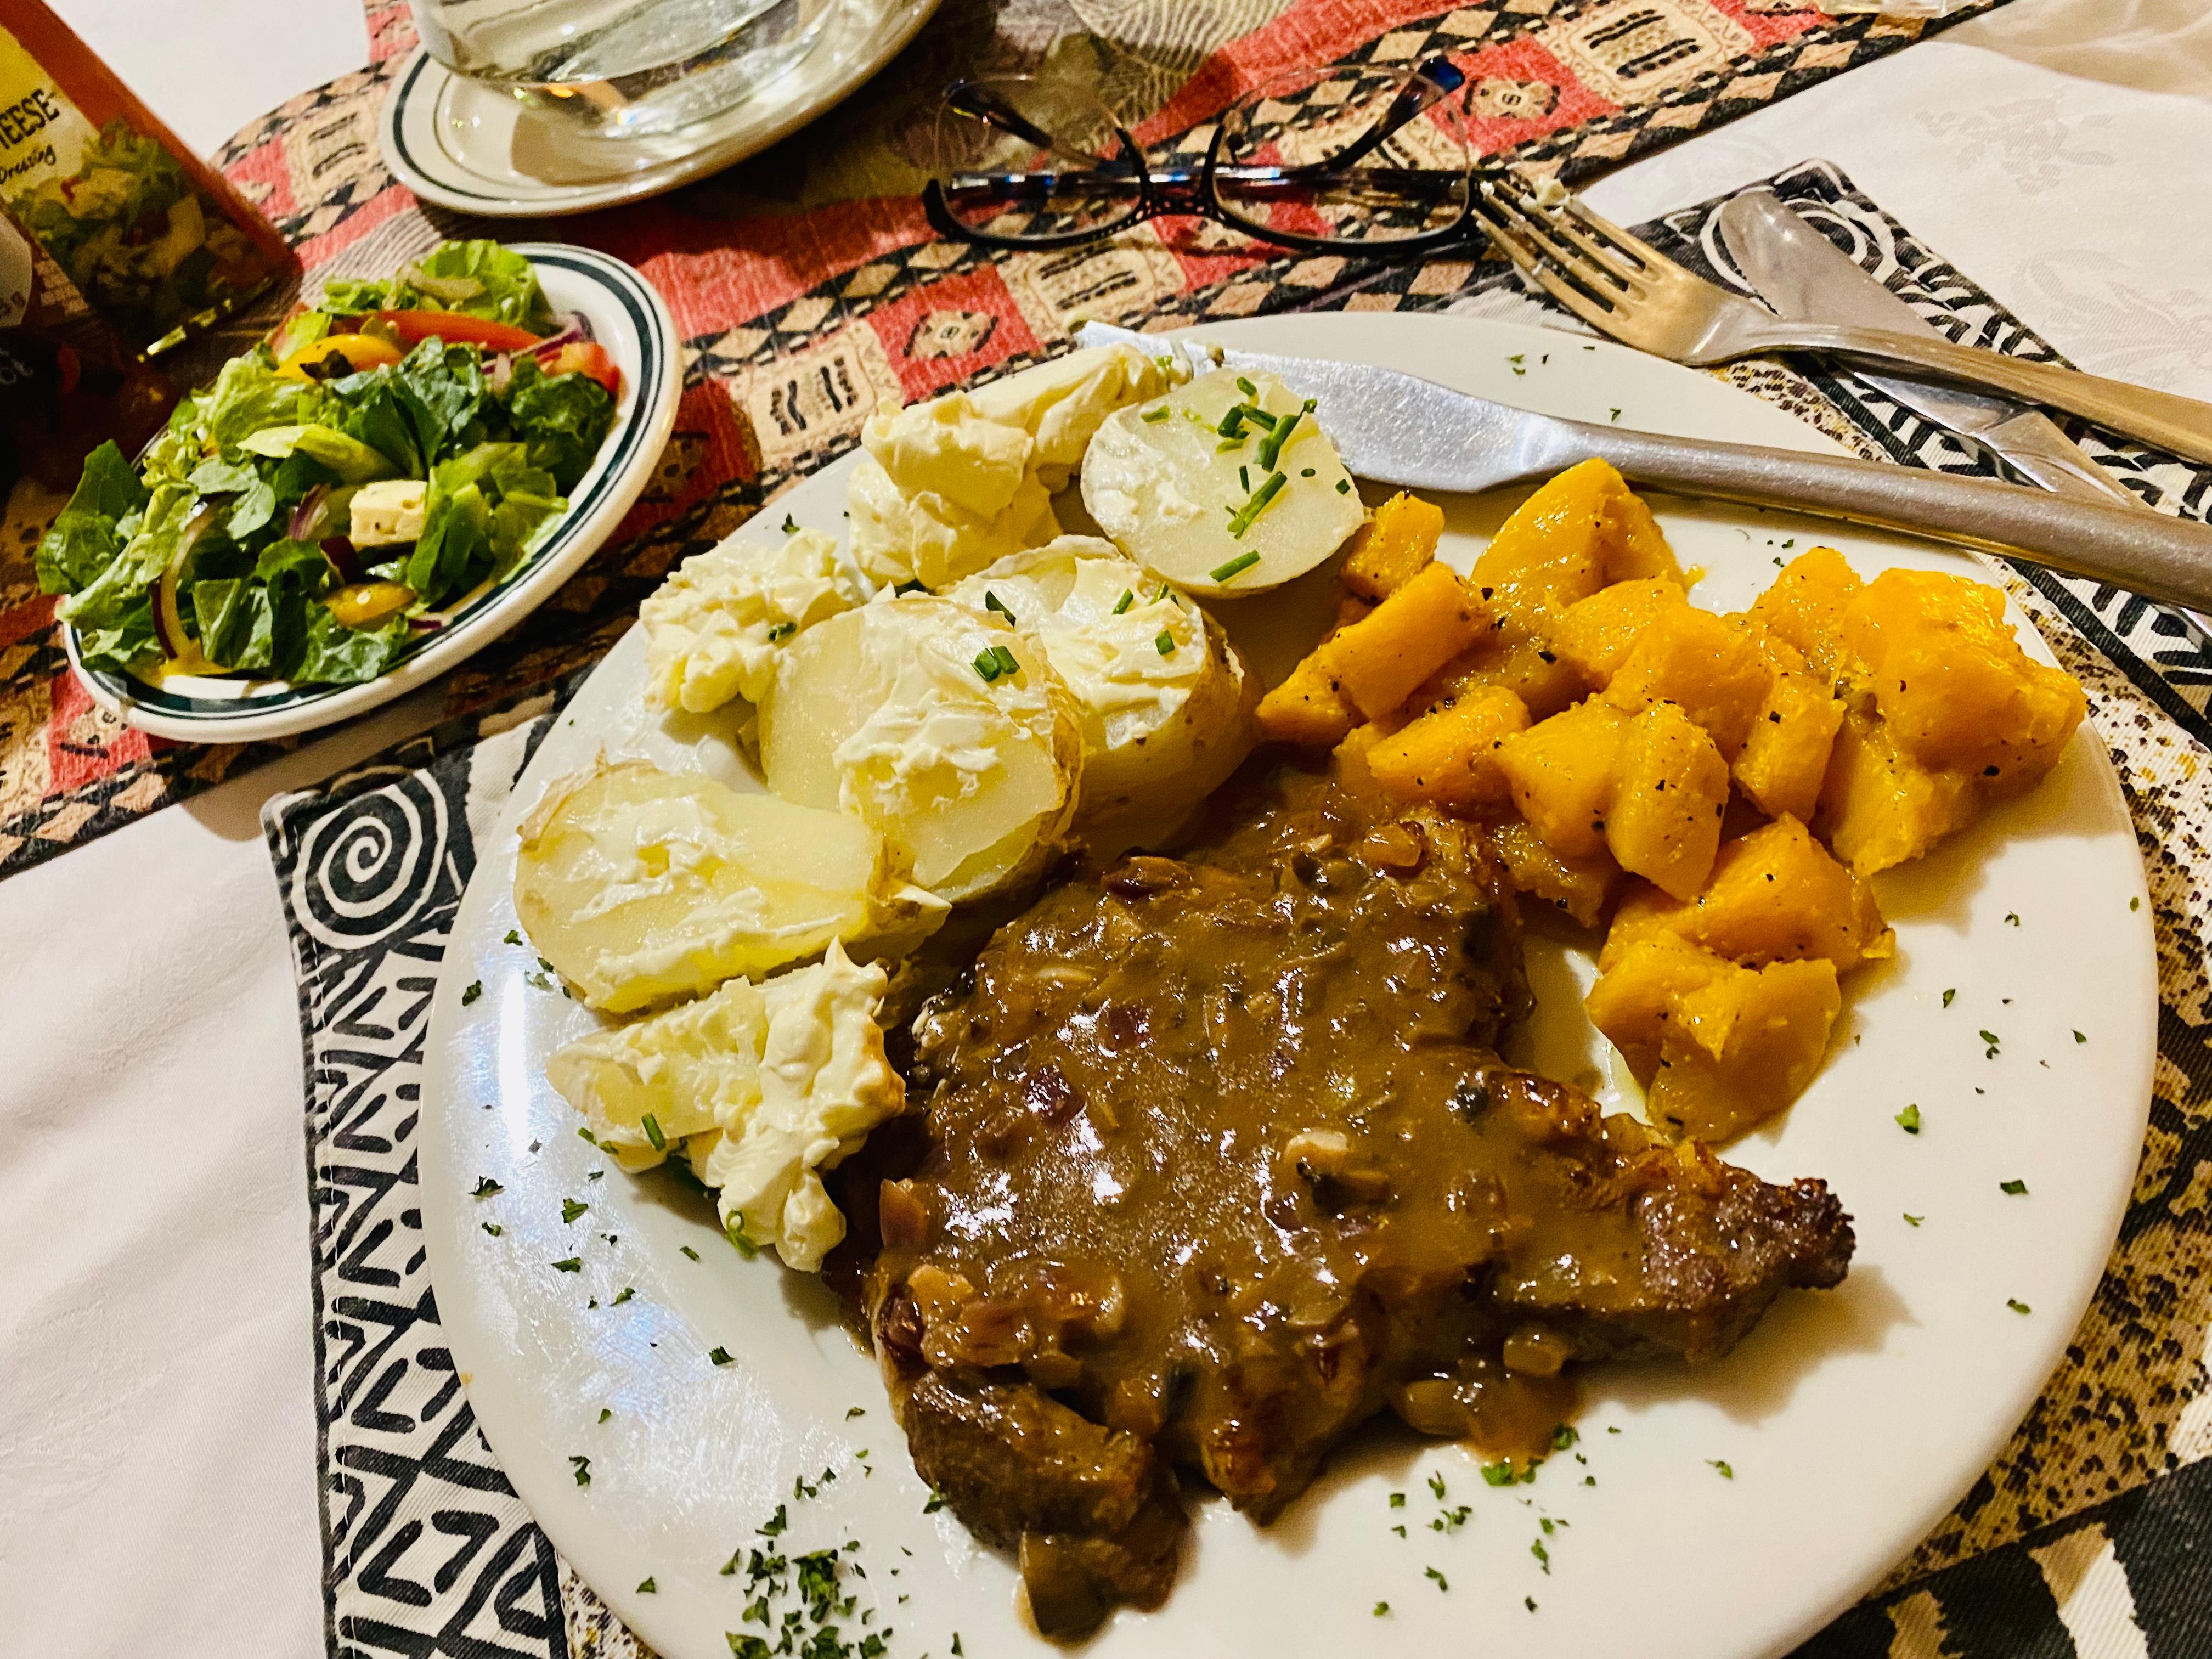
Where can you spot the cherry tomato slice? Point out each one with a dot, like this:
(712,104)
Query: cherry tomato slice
(416,327)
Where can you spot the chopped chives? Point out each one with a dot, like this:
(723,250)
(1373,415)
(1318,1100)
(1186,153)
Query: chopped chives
(1247,387)
(1243,561)
(1154,416)
(1165,643)
(1240,521)
(1122,603)
(993,602)
(652,1127)
(986,665)
(1232,421)
(1344,486)
(1005,658)
(1272,445)
(1258,416)
(779,632)
(1306,473)
(1244,479)
(901,589)
(1228,443)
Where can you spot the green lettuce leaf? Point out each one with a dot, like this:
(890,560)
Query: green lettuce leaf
(153,543)
(236,623)
(334,655)
(249,396)
(83,539)
(563,418)
(454,552)
(479,278)
(352,461)
(125,643)
(255,497)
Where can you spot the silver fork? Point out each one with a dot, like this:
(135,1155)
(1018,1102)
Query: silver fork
(1624,287)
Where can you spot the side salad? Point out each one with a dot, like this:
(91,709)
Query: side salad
(376,463)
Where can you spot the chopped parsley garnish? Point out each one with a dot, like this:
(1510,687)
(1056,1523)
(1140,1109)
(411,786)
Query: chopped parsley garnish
(624,1295)
(485,1188)
(721,1355)
(570,1209)
(1613,415)
(1397,1500)
(1122,603)
(2012,918)
(688,1251)
(937,1501)
(993,602)
(1165,643)
(647,1587)
(1542,1555)
(1442,1583)
(541,981)
(1154,416)
(651,1125)
(582,1468)
(569,1265)
(1727,1473)
(2135,904)
(2017,1305)
(605,1411)
(1911,1220)
(2078,1037)
(1529,1602)
(1241,562)
(474,990)
(790,524)
(1437,1486)
(1908,1120)
(494,1228)
(1948,994)
(1565,1436)
(779,632)
(513,938)
(1344,486)
(852,1411)
(1381,1609)
(2015,1187)
(1991,1038)
(1499,1473)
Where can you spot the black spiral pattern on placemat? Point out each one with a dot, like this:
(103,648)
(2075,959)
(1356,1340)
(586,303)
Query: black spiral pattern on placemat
(362,874)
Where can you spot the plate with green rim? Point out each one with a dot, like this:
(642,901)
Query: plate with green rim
(632,322)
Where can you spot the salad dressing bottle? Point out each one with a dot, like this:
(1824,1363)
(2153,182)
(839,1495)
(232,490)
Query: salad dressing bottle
(157,243)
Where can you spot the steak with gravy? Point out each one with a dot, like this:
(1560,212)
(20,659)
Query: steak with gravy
(1218,1160)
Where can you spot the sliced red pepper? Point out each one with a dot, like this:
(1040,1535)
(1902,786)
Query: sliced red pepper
(585,357)
(415,326)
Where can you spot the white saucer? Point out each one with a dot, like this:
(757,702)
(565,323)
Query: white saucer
(475,150)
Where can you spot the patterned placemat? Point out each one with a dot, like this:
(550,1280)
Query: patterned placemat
(809,289)
(2090,1535)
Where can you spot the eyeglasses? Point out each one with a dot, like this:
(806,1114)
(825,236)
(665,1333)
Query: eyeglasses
(1358,159)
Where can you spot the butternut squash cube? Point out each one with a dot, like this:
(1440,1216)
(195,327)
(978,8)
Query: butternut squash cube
(1393,548)
(1561,773)
(1784,758)
(1718,1046)
(1450,755)
(1377,661)
(1742,1047)
(1955,690)
(1805,605)
(1307,708)
(1670,788)
(1531,670)
(1776,894)
(1574,887)
(1596,634)
(1879,807)
(1709,664)
(1581,531)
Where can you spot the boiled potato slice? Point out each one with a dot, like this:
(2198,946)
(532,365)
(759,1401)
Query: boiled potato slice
(1162,478)
(1166,700)
(639,885)
(896,713)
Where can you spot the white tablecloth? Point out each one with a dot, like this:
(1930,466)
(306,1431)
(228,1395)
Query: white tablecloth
(157,1429)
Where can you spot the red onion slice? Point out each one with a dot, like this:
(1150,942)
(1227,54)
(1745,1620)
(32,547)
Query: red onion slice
(304,514)
(339,550)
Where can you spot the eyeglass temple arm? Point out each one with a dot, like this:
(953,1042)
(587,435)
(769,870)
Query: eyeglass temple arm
(985,106)
(1434,81)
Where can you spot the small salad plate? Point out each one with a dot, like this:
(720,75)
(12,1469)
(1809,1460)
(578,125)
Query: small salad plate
(469,146)
(617,311)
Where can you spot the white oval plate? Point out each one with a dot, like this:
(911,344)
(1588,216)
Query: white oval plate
(1849,1422)
(632,322)
(474,148)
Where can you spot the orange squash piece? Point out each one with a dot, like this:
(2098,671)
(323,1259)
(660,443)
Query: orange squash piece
(1561,773)
(1708,665)
(1670,788)
(1596,634)
(1393,548)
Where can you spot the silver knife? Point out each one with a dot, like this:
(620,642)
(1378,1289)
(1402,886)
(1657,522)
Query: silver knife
(1399,429)
(1806,278)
